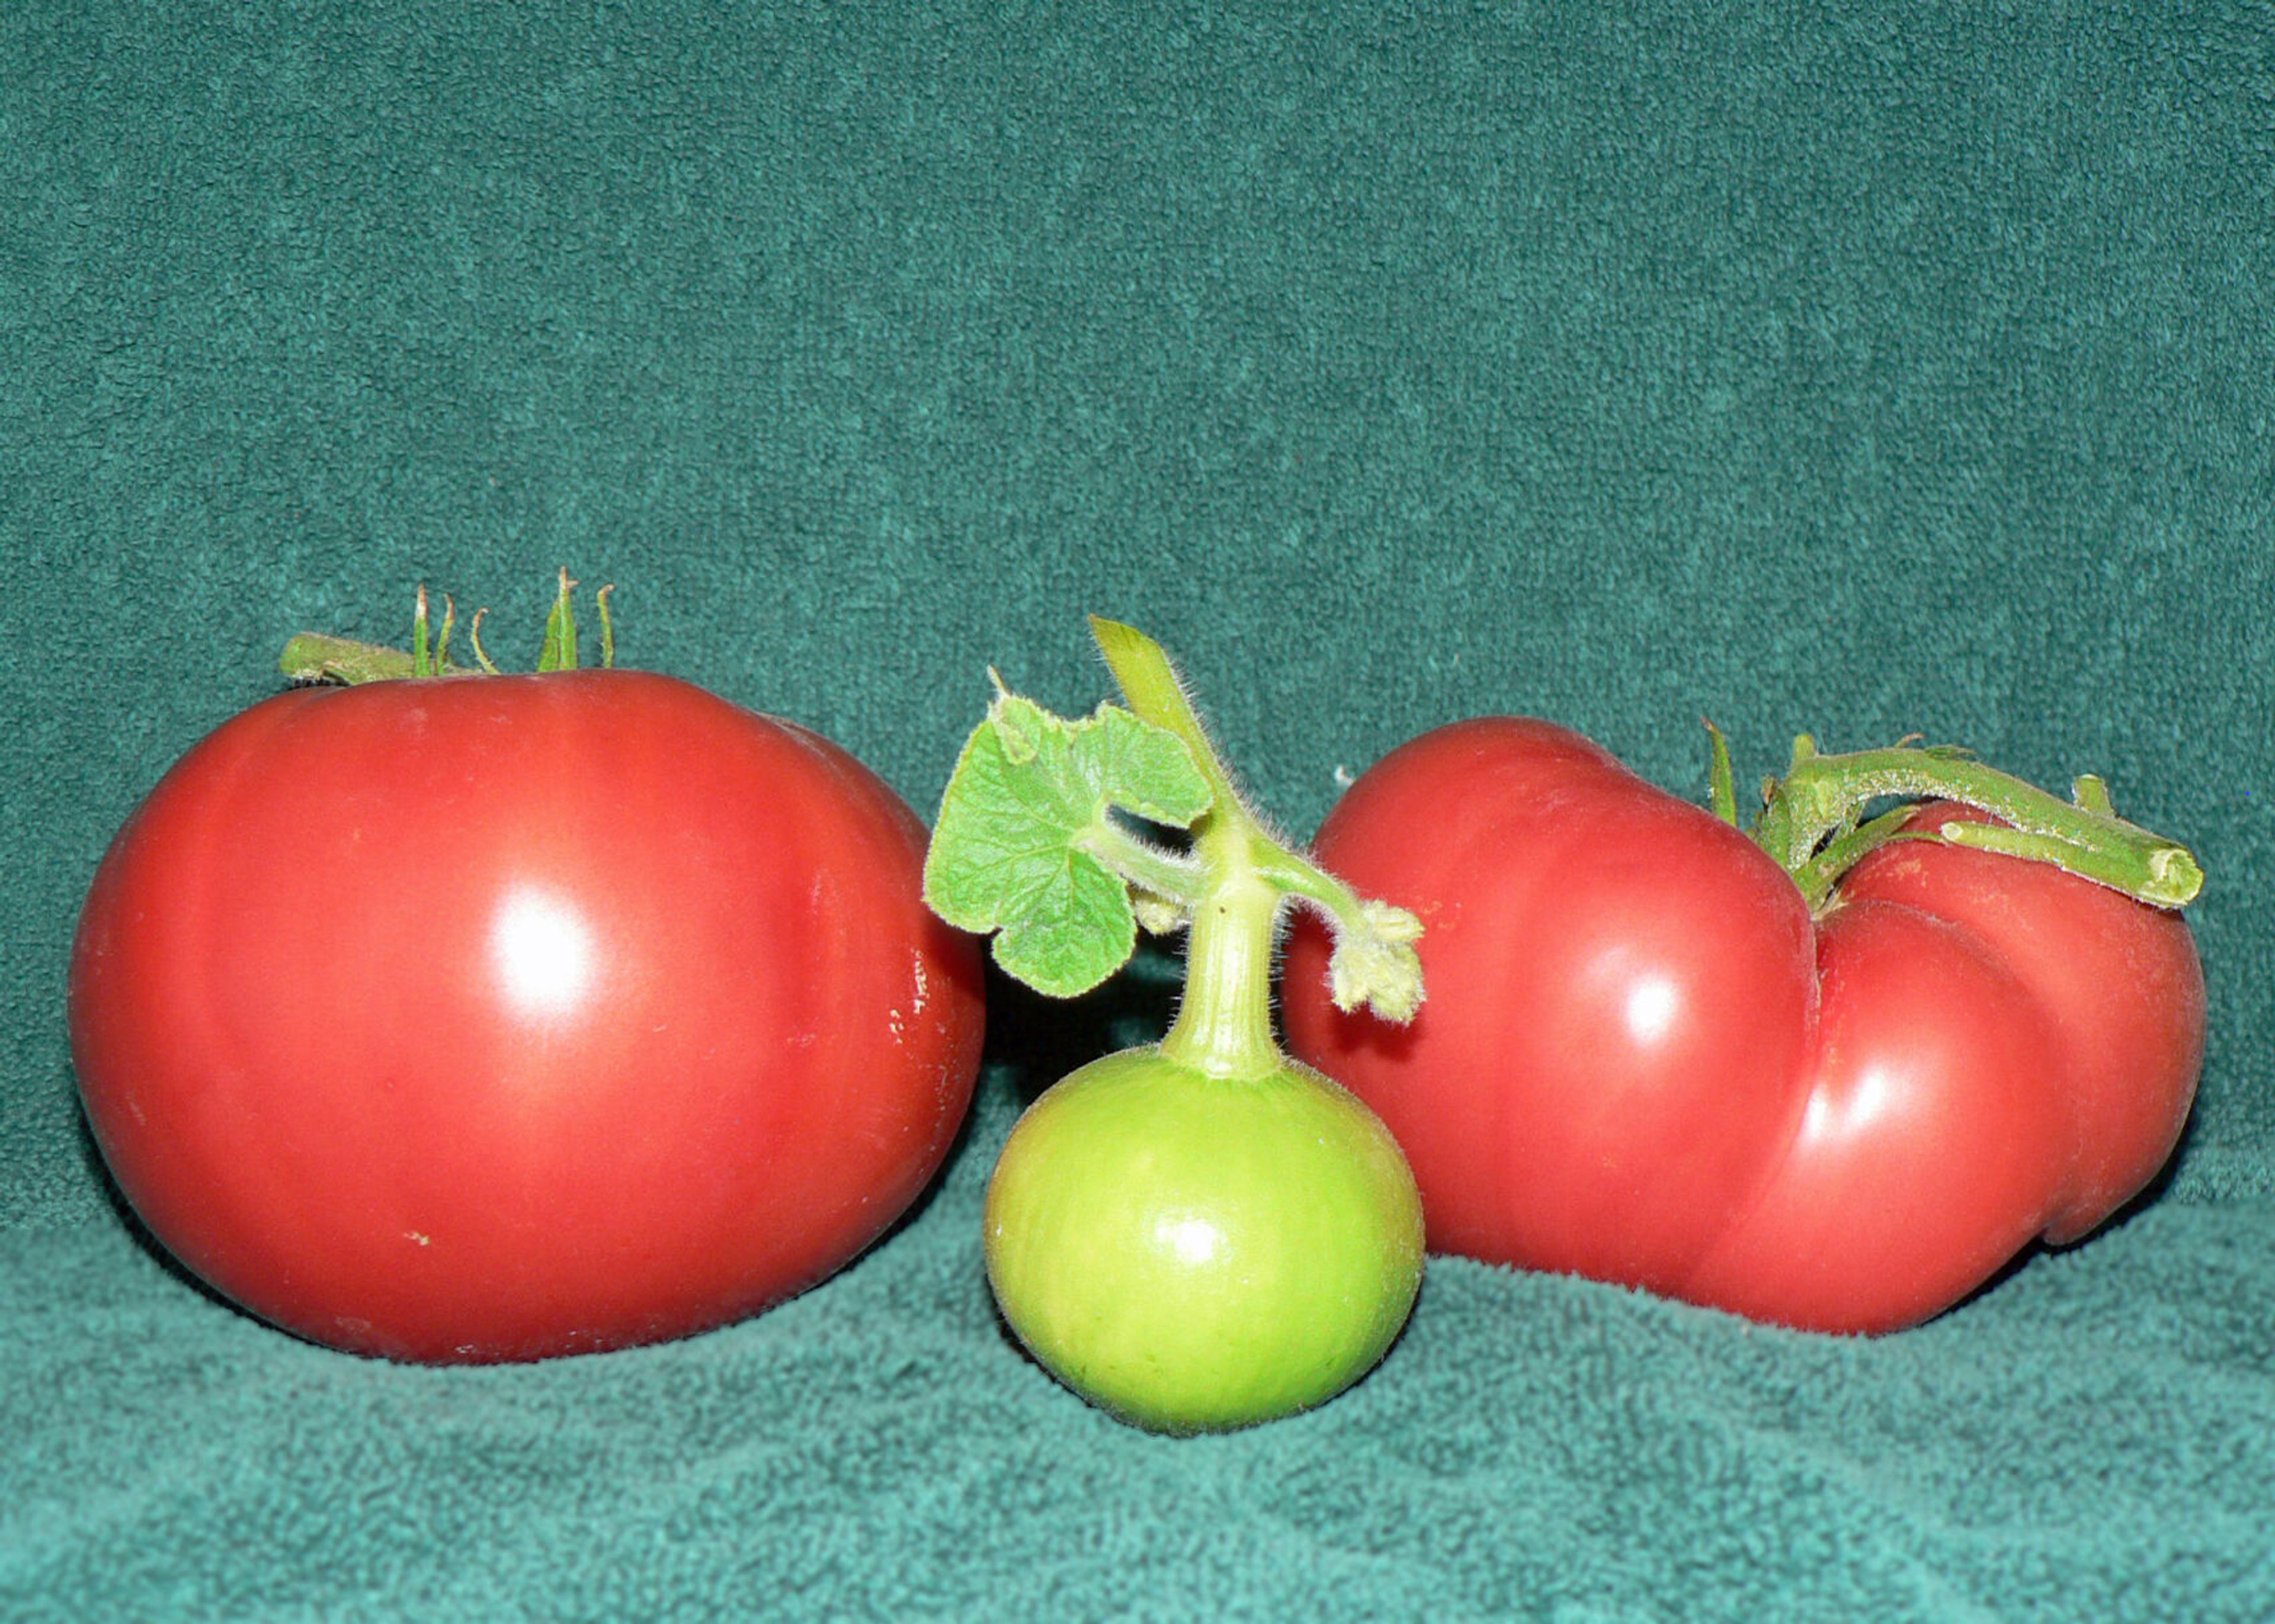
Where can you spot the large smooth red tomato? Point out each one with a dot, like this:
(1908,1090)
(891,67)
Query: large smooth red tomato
(1642,1059)
(497,1017)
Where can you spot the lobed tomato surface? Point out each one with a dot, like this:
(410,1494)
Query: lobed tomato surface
(1642,1059)
(498,1017)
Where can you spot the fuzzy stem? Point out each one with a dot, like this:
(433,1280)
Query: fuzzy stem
(1825,796)
(1818,876)
(1150,683)
(1223,1024)
(1245,876)
(1176,879)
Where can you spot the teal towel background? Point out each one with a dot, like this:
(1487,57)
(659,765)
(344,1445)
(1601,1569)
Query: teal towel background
(1869,369)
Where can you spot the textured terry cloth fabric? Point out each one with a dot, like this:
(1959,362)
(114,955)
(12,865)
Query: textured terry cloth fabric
(1870,370)
(2094,1440)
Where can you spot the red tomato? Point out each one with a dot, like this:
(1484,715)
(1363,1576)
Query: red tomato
(496,1017)
(1641,1060)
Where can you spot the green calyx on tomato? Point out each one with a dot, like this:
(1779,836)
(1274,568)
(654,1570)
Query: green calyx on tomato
(318,657)
(1202,1233)
(1813,819)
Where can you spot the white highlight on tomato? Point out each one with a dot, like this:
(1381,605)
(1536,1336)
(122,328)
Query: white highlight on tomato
(1652,1007)
(1194,1240)
(543,951)
(1875,1092)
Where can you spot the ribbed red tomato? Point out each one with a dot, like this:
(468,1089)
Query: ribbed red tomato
(1645,1059)
(480,1018)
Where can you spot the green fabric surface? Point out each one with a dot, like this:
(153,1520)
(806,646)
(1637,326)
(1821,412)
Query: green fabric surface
(1871,369)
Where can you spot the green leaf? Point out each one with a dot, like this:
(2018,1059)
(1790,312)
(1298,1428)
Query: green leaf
(1721,785)
(1026,845)
(559,652)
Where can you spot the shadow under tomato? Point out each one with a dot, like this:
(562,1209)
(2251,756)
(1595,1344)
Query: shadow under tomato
(99,1174)
(1373,1372)
(2149,1196)
(1036,1039)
